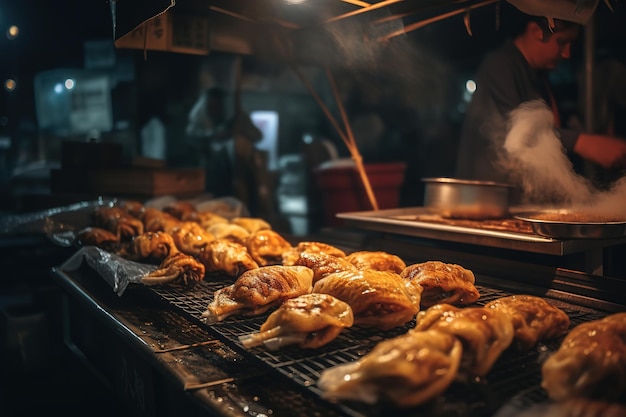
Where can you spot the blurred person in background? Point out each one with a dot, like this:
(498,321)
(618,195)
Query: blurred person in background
(226,145)
(516,73)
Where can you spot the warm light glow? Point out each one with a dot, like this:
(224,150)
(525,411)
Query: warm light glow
(70,83)
(470,86)
(295,1)
(10,84)
(13,31)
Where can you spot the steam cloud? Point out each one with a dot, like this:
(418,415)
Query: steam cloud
(539,160)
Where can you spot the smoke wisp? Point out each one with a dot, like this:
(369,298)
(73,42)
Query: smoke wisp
(542,167)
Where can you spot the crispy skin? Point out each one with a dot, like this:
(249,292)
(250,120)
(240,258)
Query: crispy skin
(229,231)
(323,264)
(310,320)
(590,363)
(155,220)
(408,370)
(251,224)
(443,283)
(150,247)
(291,256)
(182,210)
(208,219)
(267,247)
(178,269)
(118,221)
(190,237)
(534,319)
(485,333)
(379,299)
(226,256)
(258,290)
(379,260)
(97,236)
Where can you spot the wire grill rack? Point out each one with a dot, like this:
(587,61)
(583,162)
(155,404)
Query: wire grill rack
(514,380)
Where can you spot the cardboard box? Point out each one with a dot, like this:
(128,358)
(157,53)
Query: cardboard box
(147,182)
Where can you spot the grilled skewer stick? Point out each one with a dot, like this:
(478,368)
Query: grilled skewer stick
(258,290)
(310,321)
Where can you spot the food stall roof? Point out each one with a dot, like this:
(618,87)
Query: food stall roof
(292,29)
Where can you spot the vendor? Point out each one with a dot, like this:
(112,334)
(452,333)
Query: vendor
(514,74)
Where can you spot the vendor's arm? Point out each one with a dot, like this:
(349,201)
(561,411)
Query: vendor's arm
(607,151)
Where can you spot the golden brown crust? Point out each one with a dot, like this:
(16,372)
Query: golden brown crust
(443,283)
(257,290)
(485,333)
(267,247)
(379,299)
(379,260)
(323,264)
(533,319)
(291,256)
(226,256)
(408,370)
(190,237)
(590,362)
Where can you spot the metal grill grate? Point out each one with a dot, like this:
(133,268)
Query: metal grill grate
(514,380)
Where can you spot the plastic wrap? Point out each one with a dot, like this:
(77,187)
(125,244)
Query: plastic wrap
(115,270)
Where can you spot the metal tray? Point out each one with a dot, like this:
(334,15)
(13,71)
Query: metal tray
(566,229)
(411,221)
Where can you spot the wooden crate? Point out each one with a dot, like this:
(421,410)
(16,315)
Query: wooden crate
(147,182)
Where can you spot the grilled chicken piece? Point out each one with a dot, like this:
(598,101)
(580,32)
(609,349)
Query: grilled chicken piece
(590,363)
(408,370)
(150,247)
(118,221)
(443,283)
(251,224)
(267,247)
(228,257)
(485,333)
(291,256)
(208,219)
(534,319)
(229,231)
(179,269)
(379,260)
(97,236)
(155,220)
(190,237)
(258,290)
(311,321)
(133,207)
(182,210)
(323,264)
(381,299)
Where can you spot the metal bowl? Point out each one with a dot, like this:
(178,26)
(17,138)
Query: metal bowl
(467,199)
(558,224)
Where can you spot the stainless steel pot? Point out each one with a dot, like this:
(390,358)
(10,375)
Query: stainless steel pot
(467,199)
